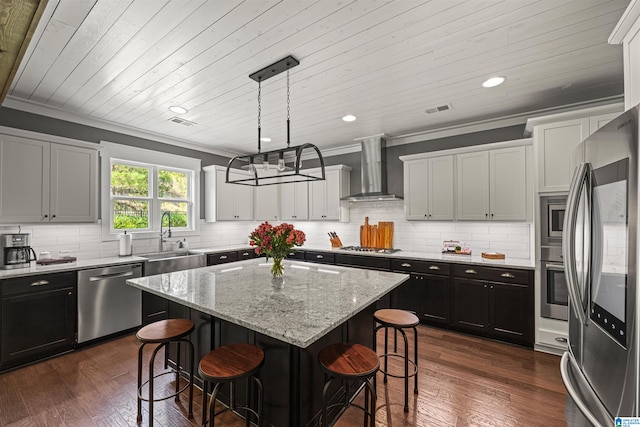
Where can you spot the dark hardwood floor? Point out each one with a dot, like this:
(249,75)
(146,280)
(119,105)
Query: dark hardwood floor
(463,381)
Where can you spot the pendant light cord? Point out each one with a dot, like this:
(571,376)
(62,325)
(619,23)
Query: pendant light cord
(259,113)
(288,110)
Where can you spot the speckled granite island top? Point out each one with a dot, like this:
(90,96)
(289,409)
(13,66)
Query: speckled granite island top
(314,300)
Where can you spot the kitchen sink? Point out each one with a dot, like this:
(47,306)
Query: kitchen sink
(166,262)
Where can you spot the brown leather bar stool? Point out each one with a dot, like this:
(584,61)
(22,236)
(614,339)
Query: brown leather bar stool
(164,333)
(399,320)
(225,365)
(352,362)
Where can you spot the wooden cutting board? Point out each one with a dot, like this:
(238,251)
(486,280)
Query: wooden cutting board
(376,236)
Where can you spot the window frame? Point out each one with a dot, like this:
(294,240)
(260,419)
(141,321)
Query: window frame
(155,161)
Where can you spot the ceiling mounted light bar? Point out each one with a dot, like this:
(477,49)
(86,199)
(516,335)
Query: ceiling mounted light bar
(276,166)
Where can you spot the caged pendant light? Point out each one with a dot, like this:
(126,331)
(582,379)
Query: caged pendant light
(276,166)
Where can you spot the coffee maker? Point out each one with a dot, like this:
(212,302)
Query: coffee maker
(16,250)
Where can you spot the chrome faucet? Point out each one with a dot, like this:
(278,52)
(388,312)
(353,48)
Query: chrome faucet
(168,231)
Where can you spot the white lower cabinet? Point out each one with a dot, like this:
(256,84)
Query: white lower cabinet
(324,196)
(226,202)
(47,182)
(429,190)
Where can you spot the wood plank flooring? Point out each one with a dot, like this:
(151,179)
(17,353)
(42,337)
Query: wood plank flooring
(463,381)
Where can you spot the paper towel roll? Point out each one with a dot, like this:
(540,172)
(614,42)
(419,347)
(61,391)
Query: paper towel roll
(125,244)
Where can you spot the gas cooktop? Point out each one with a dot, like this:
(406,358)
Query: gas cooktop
(365,249)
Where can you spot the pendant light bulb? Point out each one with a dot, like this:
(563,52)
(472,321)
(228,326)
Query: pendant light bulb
(281,165)
(252,167)
(265,163)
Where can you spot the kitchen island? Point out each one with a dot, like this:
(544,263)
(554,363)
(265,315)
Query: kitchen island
(317,305)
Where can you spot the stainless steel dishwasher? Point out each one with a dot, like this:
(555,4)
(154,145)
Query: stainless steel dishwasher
(106,304)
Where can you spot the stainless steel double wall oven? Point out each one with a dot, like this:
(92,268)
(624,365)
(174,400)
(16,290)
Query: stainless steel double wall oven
(554,295)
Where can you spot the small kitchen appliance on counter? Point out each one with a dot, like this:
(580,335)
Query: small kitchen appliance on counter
(16,251)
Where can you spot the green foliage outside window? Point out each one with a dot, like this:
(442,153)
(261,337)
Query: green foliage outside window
(133,181)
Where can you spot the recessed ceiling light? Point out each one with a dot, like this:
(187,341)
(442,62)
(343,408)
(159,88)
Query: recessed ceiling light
(349,118)
(265,139)
(178,110)
(494,81)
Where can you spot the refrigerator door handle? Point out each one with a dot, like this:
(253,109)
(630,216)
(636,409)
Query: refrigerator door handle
(568,239)
(571,387)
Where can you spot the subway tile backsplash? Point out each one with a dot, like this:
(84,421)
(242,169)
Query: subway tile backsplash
(515,239)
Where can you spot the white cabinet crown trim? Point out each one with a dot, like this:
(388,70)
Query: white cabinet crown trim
(4,130)
(471,149)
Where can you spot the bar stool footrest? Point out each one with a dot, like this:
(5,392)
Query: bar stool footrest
(174,394)
(399,356)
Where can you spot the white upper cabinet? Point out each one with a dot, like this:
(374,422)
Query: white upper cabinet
(47,182)
(226,202)
(267,203)
(508,195)
(493,185)
(429,188)
(555,143)
(324,196)
(473,185)
(294,199)
(627,33)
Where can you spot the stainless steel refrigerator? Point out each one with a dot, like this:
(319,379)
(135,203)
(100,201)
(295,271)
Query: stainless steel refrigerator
(600,367)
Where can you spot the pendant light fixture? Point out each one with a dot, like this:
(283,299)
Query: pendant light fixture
(276,166)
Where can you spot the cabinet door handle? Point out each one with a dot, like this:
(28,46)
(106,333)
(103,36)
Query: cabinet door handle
(40,283)
(46,216)
(223,257)
(406,264)
(319,257)
(471,271)
(508,275)
(53,216)
(434,267)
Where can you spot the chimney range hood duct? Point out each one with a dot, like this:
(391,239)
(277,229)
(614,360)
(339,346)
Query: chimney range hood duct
(373,171)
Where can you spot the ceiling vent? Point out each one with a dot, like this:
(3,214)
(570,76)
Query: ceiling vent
(438,109)
(182,122)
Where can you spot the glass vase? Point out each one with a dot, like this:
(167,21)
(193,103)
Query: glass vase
(277,273)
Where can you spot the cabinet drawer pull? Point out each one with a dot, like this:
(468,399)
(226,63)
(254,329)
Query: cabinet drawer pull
(508,275)
(471,271)
(406,264)
(223,257)
(40,283)
(319,257)
(245,253)
(434,267)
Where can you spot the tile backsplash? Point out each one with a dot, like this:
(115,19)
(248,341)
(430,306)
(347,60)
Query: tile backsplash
(515,239)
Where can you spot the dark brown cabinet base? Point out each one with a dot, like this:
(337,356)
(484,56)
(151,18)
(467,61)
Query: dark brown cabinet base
(38,317)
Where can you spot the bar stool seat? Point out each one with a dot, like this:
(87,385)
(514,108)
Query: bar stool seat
(226,364)
(399,320)
(164,333)
(352,362)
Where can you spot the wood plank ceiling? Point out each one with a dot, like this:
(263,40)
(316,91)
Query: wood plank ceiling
(126,62)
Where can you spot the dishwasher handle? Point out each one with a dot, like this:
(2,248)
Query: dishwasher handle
(110,276)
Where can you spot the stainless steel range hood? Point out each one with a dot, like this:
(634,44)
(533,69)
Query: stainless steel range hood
(373,171)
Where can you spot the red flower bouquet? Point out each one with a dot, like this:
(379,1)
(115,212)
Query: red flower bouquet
(276,242)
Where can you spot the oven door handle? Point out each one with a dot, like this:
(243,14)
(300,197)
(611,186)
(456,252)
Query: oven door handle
(554,267)
(580,178)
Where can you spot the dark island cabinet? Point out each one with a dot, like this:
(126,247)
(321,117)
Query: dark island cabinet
(320,257)
(38,317)
(370,262)
(495,302)
(427,291)
(222,257)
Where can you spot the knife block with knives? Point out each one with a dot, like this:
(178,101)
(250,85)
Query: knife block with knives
(376,236)
(334,239)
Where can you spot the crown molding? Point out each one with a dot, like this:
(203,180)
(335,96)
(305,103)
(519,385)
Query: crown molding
(629,17)
(56,113)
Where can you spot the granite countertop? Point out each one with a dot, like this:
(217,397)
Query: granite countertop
(417,255)
(35,269)
(314,299)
